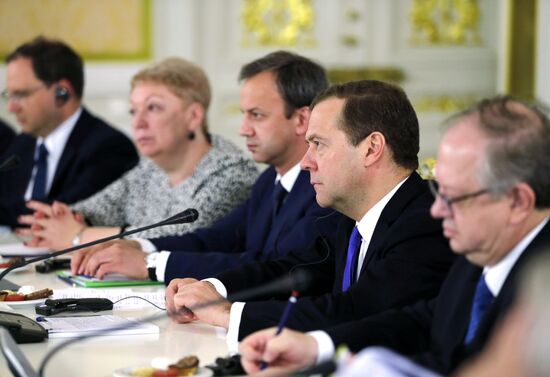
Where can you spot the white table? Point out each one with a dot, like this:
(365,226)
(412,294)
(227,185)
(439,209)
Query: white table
(102,355)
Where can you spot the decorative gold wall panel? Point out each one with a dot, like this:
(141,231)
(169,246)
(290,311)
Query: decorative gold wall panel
(284,23)
(97,29)
(436,22)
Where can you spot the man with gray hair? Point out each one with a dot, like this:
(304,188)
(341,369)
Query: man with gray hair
(494,199)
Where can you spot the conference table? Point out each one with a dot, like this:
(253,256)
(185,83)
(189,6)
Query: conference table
(102,355)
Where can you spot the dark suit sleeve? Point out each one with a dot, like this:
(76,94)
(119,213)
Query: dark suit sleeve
(406,331)
(6,136)
(227,234)
(225,241)
(410,265)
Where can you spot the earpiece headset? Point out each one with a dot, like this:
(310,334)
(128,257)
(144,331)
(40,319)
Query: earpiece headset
(62,95)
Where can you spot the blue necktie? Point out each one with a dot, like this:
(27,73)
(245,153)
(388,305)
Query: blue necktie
(279,195)
(41,163)
(353,249)
(482,299)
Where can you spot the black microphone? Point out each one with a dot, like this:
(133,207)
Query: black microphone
(10,163)
(187,216)
(299,279)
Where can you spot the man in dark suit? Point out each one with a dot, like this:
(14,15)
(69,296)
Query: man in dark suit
(277,90)
(6,136)
(66,153)
(363,142)
(495,205)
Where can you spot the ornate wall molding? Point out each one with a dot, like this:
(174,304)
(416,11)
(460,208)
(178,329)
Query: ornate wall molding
(445,22)
(286,23)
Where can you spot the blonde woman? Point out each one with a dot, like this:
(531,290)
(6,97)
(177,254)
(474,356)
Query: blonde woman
(182,166)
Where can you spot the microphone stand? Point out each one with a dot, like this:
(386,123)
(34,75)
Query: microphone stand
(187,216)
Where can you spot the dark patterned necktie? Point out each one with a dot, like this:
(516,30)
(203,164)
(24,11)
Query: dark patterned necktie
(41,163)
(279,195)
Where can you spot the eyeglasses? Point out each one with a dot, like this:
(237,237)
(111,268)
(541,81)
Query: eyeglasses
(448,202)
(20,95)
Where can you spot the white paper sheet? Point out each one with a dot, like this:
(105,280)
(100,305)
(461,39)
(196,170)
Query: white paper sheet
(66,327)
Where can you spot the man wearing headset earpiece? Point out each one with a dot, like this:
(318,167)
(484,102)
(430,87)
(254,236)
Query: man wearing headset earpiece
(65,152)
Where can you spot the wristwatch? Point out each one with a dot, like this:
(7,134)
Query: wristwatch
(78,238)
(151,263)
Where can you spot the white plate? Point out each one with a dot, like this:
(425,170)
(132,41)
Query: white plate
(25,302)
(127,372)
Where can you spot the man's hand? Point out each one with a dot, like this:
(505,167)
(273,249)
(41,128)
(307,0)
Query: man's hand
(183,315)
(284,353)
(187,296)
(120,256)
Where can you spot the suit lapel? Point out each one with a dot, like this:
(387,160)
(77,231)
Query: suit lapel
(69,152)
(408,191)
(290,210)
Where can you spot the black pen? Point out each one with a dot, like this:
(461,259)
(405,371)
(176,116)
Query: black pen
(284,319)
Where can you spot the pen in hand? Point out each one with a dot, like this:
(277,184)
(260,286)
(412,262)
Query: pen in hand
(284,319)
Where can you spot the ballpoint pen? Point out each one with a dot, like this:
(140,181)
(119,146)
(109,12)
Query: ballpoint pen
(67,279)
(284,319)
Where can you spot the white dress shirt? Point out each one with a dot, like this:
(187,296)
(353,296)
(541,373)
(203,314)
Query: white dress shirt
(55,144)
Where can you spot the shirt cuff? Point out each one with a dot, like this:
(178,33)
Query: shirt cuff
(146,245)
(218,285)
(325,346)
(235,315)
(162,261)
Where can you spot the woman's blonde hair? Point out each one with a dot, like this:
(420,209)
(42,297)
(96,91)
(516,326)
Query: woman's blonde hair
(183,78)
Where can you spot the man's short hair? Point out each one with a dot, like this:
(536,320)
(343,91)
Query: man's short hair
(519,134)
(52,60)
(183,78)
(371,106)
(298,79)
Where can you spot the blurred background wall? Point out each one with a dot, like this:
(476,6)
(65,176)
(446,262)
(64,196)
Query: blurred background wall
(445,53)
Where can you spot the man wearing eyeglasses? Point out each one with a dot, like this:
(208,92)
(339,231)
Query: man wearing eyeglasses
(65,152)
(494,200)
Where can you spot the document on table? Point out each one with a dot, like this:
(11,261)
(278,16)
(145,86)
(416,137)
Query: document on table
(130,299)
(67,327)
(110,280)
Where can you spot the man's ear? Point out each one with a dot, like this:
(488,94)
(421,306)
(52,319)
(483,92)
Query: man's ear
(373,147)
(523,202)
(302,120)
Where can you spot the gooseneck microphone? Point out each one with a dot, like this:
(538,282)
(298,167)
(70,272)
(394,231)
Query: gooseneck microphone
(187,216)
(299,280)
(10,163)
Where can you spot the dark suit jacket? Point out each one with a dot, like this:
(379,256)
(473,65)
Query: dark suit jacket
(434,331)
(6,136)
(247,233)
(407,259)
(95,155)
